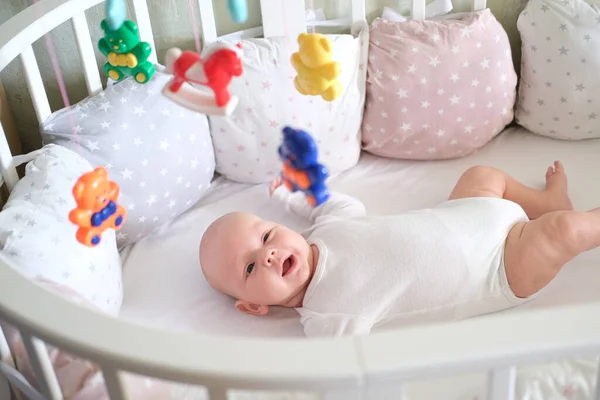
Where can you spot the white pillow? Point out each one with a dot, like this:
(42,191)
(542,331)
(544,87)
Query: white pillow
(559,92)
(246,142)
(36,234)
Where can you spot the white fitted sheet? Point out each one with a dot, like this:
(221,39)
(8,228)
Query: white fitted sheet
(164,285)
(163,281)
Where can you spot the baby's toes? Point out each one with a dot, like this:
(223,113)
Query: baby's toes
(558,167)
(549,172)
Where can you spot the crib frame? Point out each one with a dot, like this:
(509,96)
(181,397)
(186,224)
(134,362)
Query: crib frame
(358,367)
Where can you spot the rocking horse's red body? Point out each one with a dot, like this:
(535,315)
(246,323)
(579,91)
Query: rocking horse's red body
(215,72)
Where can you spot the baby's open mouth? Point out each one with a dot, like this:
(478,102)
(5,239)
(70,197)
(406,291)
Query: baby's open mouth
(288,265)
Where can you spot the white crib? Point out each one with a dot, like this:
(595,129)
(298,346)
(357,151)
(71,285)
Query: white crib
(360,367)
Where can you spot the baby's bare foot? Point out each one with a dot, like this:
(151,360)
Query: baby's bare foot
(556,187)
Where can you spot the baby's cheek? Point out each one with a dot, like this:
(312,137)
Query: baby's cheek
(265,288)
(275,290)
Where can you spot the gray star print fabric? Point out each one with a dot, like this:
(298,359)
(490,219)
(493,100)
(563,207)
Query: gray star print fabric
(159,153)
(559,93)
(36,234)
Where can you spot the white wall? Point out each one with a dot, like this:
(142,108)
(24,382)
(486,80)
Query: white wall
(172,25)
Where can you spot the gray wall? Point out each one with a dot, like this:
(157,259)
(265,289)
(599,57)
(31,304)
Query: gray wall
(172,26)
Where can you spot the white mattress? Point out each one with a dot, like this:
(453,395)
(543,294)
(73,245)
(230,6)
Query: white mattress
(164,285)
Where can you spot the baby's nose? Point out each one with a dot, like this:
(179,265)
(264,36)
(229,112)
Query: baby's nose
(270,257)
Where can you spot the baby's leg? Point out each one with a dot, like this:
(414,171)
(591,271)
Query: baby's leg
(537,250)
(482,181)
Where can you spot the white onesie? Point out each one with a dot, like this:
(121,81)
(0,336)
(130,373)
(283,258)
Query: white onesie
(380,272)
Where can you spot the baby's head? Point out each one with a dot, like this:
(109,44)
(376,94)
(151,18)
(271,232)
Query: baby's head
(259,263)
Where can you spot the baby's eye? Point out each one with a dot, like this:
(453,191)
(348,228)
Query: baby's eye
(249,269)
(266,237)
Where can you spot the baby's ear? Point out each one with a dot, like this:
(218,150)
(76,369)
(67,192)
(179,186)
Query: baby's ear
(251,308)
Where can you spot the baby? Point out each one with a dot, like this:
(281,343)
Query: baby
(493,245)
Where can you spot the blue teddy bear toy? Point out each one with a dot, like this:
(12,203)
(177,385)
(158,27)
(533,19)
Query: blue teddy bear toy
(301,169)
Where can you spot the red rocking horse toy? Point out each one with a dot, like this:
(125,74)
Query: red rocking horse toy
(215,69)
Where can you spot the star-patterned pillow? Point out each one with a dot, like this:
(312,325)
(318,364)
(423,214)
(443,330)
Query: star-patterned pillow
(559,91)
(246,142)
(437,89)
(159,153)
(36,234)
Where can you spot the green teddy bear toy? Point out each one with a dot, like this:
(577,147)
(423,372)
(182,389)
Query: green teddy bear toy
(127,55)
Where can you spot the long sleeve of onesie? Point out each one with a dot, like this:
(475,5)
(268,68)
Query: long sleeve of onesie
(338,205)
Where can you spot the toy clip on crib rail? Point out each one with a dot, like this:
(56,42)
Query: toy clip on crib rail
(353,367)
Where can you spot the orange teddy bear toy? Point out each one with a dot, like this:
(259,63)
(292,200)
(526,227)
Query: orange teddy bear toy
(97,209)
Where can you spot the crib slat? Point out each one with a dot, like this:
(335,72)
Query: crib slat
(114,384)
(359,12)
(4,349)
(142,18)
(35,84)
(597,395)
(479,5)
(4,356)
(359,15)
(42,366)
(86,50)
(501,383)
(4,388)
(419,9)
(207,19)
(283,21)
(18,381)
(8,171)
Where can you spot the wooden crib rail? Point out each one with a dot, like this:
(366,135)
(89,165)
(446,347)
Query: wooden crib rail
(359,365)
(496,341)
(18,34)
(201,359)
(32,23)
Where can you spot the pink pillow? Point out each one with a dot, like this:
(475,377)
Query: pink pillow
(437,89)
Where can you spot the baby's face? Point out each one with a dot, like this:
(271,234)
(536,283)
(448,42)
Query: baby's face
(257,261)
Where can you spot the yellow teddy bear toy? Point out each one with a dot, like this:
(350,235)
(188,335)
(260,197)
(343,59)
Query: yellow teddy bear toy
(317,73)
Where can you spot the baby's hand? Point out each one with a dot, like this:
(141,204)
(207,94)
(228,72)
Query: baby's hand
(275,184)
